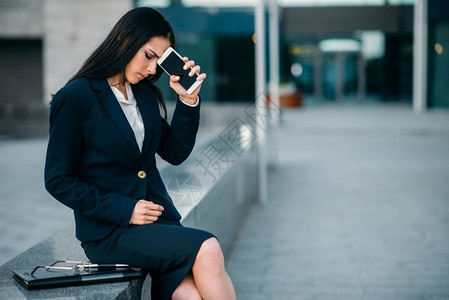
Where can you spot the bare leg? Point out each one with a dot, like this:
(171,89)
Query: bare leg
(209,273)
(186,290)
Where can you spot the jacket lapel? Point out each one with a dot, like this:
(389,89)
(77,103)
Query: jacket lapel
(145,103)
(113,109)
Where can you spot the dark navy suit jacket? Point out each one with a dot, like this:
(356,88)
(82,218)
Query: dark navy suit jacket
(93,160)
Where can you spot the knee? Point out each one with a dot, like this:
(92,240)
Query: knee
(210,257)
(186,293)
(186,290)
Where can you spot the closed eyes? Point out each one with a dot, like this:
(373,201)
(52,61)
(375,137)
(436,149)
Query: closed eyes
(148,56)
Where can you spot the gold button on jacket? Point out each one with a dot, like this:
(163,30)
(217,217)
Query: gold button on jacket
(142,174)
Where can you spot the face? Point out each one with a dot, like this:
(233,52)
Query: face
(144,63)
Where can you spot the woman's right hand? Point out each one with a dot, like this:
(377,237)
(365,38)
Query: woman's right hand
(146,212)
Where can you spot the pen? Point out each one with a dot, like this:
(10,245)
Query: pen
(81,266)
(101,267)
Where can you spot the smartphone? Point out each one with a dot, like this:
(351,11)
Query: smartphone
(171,62)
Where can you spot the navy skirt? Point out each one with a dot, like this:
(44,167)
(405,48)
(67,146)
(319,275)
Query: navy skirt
(165,249)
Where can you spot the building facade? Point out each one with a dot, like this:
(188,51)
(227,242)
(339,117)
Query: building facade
(327,53)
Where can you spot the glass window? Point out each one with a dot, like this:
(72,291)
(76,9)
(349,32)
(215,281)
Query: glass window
(153,3)
(240,3)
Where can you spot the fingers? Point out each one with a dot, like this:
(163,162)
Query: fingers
(152,206)
(152,213)
(174,78)
(201,76)
(195,69)
(146,212)
(143,220)
(189,63)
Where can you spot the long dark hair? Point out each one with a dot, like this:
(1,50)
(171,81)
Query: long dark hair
(129,34)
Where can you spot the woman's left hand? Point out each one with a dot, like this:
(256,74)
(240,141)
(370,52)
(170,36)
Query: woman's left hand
(188,98)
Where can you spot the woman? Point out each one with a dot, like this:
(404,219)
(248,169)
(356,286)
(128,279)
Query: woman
(105,128)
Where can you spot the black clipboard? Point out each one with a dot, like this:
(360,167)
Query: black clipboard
(42,278)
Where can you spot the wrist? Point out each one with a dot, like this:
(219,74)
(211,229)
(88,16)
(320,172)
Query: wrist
(191,101)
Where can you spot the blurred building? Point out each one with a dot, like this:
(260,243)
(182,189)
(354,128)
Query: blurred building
(331,51)
(42,44)
(21,66)
(438,54)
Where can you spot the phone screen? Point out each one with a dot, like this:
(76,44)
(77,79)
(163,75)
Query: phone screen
(174,65)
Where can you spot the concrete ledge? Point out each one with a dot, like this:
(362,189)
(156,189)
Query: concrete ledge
(220,207)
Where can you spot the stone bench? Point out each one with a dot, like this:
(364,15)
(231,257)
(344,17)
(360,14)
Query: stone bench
(216,197)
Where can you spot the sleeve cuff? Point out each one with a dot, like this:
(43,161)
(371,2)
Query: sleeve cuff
(191,105)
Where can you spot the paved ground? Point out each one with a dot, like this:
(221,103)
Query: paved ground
(358,209)
(28,214)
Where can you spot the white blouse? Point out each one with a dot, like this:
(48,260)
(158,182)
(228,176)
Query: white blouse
(131,112)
